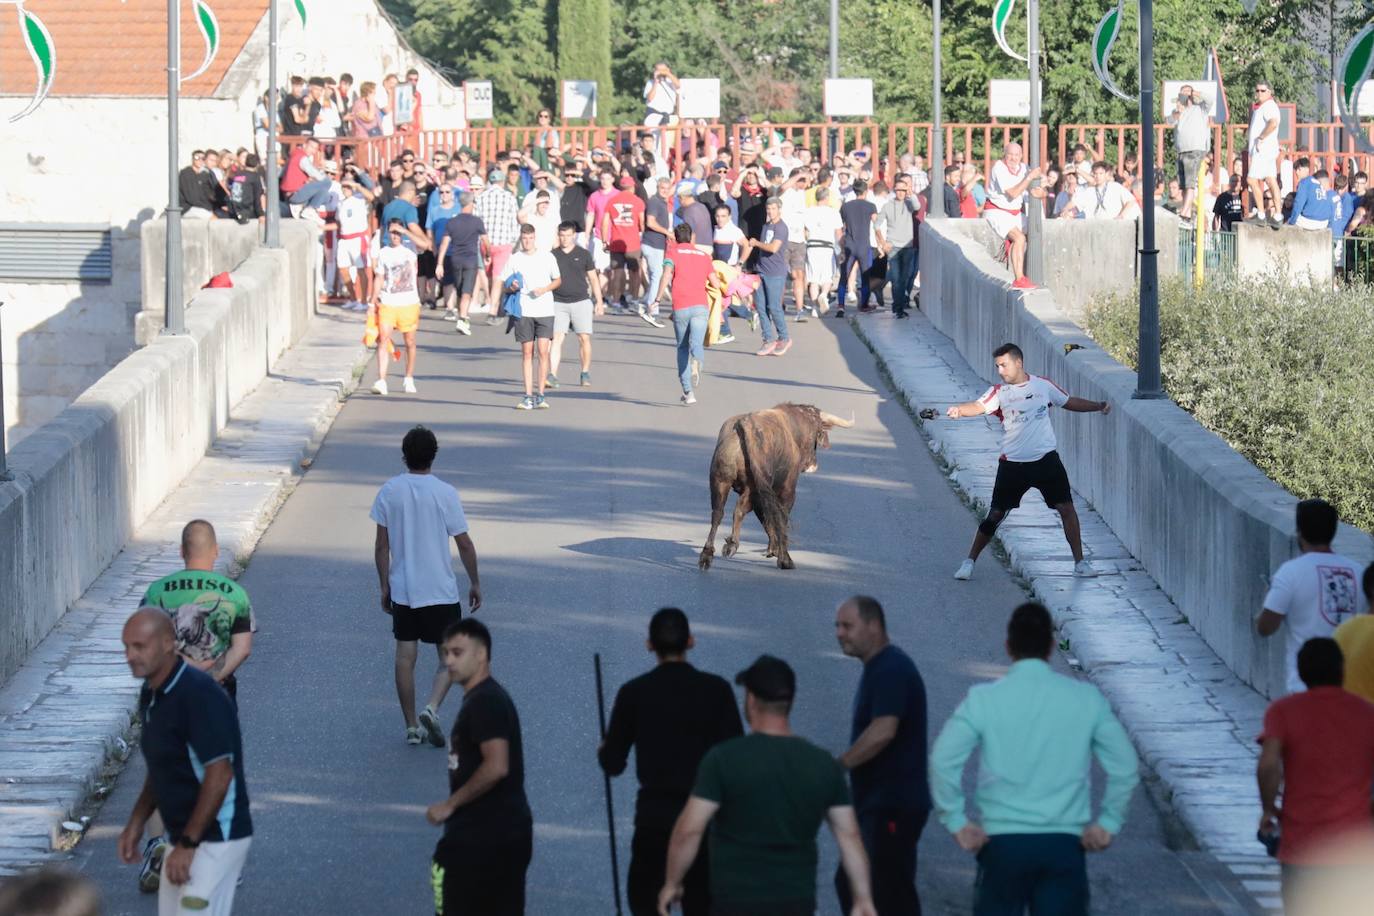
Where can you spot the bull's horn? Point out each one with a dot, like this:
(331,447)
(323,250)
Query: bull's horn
(829,419)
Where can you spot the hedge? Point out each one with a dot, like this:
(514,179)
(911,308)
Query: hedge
(1282,373)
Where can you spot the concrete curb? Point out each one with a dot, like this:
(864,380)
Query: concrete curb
(1193,721)
(66,716)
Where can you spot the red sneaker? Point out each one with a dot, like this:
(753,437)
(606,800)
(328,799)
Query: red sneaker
(1023,283)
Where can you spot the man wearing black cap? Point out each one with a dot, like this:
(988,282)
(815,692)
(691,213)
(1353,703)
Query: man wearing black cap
(764,796)
(671,716)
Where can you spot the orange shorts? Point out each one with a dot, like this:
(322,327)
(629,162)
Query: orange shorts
(403,318)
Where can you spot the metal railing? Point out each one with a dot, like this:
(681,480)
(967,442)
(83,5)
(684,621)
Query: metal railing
(1355,258)
(1218,252)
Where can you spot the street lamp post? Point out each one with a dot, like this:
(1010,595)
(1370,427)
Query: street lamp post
(174,321)
(834,69)
(1035,214)
(273,237)
(1148,384)
(4,463)
(936,166)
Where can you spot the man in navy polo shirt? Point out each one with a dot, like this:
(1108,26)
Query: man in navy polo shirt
(887,759)
(194,754)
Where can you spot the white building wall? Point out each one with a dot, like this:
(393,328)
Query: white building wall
(99,159)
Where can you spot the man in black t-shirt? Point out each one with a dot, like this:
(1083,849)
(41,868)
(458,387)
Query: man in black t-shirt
(460,257)
(887,757)
(858,216)
(573,302)
(480,862)
(1229,208)
(671,716)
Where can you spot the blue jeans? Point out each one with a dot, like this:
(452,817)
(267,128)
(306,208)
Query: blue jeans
(1044,872)
(739,311)
(653,266)
(313,193)
(689,326)
(768,303)
(901,270)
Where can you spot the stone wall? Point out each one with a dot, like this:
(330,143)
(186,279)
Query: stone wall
(1305,255)
(1208,526)
(86,480)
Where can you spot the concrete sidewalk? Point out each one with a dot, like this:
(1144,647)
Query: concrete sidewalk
(66,712)
(1193,722)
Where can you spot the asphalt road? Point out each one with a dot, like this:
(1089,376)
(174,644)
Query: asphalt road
(587,517)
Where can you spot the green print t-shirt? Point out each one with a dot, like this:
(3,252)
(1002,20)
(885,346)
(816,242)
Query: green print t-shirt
(206,610)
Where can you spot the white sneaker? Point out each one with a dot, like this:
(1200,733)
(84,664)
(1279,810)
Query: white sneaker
(1084,570)
(965,571)
(379,387)
(450,314)
(408,385)
(649,318)
(464,326)
(689,398)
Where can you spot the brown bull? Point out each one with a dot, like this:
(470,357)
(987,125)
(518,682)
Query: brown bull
(760,455)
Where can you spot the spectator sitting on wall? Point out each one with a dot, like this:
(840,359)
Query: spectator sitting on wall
(196,186)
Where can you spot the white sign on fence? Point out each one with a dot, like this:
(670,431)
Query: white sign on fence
(1010,98)
(1203,90)
(579,99)
(699,99)
(849,98)
(477,96)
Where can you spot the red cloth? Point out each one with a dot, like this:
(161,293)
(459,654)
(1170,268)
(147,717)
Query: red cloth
(626,211)
(968,206)
(1328,768)
(691,270)
(219,281)
(294,178)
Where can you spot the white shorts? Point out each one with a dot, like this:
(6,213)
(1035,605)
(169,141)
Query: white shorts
(820,264)
(1003,222)
(577,315)
(1264,164)
(214,878)
(349,253)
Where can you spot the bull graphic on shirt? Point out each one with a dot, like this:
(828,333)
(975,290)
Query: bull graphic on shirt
(1339,594)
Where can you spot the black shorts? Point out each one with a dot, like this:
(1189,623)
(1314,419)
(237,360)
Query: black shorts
(423,624)
(528,329)
(1045,474)
(424,263)
(484,874)
(626,259)
(462,276)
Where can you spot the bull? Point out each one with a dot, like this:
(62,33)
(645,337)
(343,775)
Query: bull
(760,456)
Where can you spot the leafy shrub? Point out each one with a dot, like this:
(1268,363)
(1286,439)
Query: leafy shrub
(1279,372)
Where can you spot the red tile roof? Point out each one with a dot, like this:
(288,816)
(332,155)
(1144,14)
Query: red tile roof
(119,47)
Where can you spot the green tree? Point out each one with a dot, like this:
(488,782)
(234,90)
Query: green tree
(584,47)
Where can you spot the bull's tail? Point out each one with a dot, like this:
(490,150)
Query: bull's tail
(764,496)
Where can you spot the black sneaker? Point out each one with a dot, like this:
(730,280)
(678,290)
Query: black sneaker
(150,875)
(839,312)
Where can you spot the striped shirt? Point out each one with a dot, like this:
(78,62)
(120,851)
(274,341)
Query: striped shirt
(497,208)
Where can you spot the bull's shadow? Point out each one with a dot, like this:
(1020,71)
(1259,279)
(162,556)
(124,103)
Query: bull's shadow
(664,552)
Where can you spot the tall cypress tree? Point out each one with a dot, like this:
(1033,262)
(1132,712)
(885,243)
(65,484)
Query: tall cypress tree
(584,47)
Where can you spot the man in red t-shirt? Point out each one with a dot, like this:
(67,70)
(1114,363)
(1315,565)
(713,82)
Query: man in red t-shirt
(686,269)
(622,223)
(1319,746)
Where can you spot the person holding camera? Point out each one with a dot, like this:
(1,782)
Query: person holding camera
(1192,138)
(661,93)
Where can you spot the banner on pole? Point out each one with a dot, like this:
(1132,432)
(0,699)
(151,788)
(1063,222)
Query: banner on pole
(1010,98)
(209,30)
(477,100)
(699,98)
(579,99)
(39,44)
(1108,27)
(849,98)
(1001,15)
(1351,75)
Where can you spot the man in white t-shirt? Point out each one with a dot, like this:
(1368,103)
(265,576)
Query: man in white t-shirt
(396,297)
(793,206)
(1314,592)
(824,231)
(537,278)
(1029,459)
(416,513)
(1263,145)
(1009,183)
(351,249)
(1104,198)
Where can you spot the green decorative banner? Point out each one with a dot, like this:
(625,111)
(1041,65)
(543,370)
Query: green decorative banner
(300,9)
(41,51)
(1103,40)
(1351,75)
(209,30)
(1001,15)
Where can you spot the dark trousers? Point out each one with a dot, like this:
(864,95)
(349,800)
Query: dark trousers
(901,270)
(1043,873)
(481,875)
(648,861)
(864,260)
(890,839)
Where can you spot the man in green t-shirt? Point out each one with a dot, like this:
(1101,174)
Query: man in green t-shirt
(210,612)
(764,796)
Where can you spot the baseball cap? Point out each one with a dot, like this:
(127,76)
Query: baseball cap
(719,164)
(686,189)
(626,182)
(769,678)
(496,175)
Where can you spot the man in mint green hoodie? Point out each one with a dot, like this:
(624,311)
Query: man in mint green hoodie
(1036,730)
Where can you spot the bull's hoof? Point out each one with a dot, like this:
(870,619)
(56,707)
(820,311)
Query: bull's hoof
(704,562)
(730,547)
(785,562)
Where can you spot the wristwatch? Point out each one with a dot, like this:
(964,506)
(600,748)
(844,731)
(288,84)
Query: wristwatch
(186,842)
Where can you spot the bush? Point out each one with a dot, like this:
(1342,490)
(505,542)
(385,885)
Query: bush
(1279,372)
